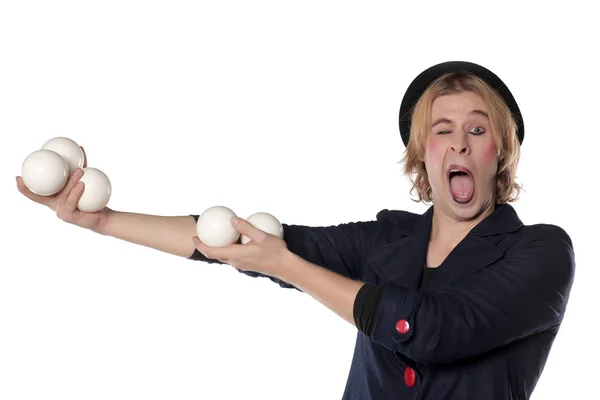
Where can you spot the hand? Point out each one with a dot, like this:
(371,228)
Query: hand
(264,252)
(64,203)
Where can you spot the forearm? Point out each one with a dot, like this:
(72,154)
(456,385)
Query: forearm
(170,234)
(334,291)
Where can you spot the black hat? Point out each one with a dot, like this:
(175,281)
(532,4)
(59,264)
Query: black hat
(425,78)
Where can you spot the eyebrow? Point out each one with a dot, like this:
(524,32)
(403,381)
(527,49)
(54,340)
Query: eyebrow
(446,120)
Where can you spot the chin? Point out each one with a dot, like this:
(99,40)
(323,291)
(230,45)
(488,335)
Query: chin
(472,210)
(465,211)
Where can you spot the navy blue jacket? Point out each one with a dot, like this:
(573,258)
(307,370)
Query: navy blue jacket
(483,326)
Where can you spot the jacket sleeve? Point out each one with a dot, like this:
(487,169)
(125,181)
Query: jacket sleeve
(524,293)
(340,248)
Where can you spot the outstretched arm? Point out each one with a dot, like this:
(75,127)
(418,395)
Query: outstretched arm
(169,234)
(340,248)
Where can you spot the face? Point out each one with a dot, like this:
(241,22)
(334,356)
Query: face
(461,156)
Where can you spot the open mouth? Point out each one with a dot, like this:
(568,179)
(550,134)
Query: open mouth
(462,183)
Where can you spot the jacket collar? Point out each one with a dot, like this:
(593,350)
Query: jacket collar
(503,219)
(402,262)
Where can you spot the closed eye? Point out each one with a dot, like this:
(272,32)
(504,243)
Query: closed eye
(474,133)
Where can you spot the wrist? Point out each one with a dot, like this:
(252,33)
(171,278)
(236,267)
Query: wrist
(104,224)
(289,261)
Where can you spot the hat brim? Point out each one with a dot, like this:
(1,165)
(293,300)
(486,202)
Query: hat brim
(425,78)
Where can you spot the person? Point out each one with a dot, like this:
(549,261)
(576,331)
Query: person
(463,301)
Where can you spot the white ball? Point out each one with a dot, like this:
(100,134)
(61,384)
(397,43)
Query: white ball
(96,192)
(68,149)
(265,222)
(214,227)
(45,172)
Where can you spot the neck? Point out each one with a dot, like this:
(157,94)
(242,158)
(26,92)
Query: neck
(450,229)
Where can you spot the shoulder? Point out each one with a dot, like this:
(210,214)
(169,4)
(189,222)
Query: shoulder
(391,226)
(505,229)
(398,217)
(544,251)
(386,227)
(545,234)
(400,220)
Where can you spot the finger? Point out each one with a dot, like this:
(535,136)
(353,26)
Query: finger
(247,229)
(84,157)
(29,194)
(71,182)
(66,203)
(70,205)
(202,248)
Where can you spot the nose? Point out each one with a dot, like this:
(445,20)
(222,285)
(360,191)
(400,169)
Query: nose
(459,143)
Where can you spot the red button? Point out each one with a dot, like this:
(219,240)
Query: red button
(410,377)
(402,326)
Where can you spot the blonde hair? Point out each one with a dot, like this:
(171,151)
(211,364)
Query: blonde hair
(504,129)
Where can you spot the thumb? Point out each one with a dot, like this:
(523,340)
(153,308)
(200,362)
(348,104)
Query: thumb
(247,229)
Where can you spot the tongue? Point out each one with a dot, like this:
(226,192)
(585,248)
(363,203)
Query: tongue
(462,187)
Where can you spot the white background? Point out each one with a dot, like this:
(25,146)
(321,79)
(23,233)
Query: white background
(285,107)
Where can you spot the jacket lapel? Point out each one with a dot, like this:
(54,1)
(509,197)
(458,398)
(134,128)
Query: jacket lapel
(402,262)
(477,250)
(470,255)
